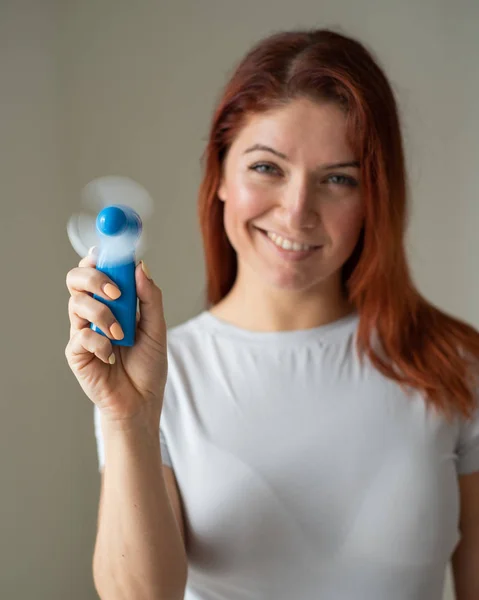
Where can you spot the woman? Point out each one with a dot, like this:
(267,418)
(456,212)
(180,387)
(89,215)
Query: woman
(319,424)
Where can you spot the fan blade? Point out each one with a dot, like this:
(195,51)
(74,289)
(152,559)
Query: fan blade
(118,249)
(81,230)
(142,245)
(106,191)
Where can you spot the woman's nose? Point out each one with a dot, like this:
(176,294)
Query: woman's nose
(300,210)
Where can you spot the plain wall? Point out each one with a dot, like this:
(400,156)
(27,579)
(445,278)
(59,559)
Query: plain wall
(116,87)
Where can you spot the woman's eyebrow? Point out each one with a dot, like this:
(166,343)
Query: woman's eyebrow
(354,163)
(268,149)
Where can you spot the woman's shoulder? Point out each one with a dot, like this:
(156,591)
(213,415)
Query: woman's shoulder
(186,333)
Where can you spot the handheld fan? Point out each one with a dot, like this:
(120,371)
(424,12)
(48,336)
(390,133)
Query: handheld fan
(119,205)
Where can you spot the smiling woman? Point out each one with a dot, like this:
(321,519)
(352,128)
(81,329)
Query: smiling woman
(305,147)
(319,429)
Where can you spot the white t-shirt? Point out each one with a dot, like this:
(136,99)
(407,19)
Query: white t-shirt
(303,474)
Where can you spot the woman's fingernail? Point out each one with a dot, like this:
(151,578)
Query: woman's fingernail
(111,358)
(92,250)
(117,331)
(112,291)
(145,270)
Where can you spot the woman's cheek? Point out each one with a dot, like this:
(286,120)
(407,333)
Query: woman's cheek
(343,219)
(240,208)
(251,200)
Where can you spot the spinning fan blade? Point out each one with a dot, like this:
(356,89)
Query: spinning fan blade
(81,229)
(105,191)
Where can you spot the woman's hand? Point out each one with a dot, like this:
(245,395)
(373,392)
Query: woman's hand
(125,383)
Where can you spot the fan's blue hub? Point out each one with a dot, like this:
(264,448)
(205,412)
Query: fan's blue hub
(114,220)
(111,221)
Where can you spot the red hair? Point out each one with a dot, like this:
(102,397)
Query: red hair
(421,346)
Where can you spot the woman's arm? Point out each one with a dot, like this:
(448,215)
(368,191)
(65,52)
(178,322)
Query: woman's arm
(139,552)
(465,560)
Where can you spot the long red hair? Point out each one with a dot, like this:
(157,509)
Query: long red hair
(421,346)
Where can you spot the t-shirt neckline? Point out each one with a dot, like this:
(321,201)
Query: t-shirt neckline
(324,333)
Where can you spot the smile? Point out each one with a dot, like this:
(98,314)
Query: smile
(289,250)
(288,244)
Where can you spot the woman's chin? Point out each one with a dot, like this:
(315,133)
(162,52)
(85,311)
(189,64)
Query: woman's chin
(290,282)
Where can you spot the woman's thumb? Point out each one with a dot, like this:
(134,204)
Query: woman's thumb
(152,319)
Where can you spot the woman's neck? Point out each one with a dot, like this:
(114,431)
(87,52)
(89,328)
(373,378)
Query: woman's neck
(261,309)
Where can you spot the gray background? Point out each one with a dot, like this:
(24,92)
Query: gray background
(90,88)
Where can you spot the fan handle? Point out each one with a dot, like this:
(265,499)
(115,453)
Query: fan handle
(124,308)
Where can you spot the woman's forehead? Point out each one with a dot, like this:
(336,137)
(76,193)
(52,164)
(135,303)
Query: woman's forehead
(294,129)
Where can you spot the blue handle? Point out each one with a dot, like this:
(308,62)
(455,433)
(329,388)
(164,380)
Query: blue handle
(124,308)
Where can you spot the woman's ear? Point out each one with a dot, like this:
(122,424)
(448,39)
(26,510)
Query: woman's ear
(222,191)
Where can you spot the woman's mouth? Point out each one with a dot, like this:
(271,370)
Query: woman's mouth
(288,248)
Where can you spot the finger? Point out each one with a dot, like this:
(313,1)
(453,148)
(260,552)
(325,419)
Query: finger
(152,319)
(83,310)
(91,258)
(91,280)
(88,261)
(76,322)
(86,343)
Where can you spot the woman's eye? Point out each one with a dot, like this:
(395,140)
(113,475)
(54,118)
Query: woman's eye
(345,180)
(264,168)
(268,169)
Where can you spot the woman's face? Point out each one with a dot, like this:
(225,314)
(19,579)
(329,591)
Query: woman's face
(292,219)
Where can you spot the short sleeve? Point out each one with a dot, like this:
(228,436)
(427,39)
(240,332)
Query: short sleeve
(99,439)
(468,445)
(165,456)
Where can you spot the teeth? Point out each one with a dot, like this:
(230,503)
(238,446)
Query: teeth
(287,244)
